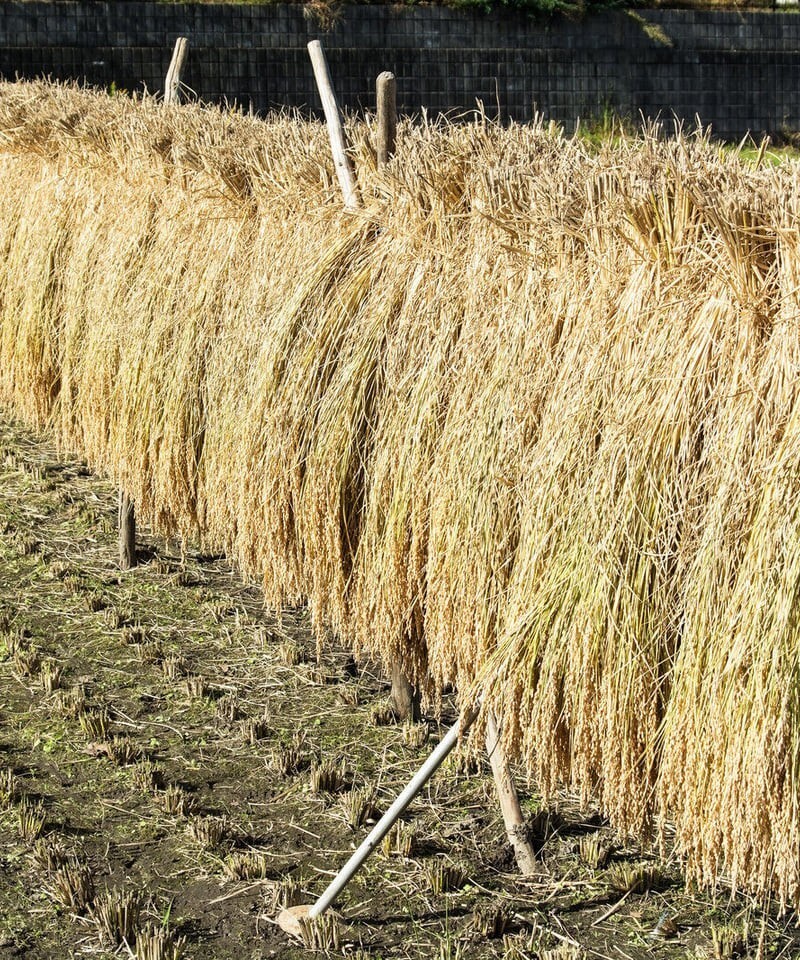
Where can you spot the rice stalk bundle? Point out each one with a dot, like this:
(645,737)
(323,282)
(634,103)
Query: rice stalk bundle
(526,423)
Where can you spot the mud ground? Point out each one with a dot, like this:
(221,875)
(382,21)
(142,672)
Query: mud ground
(177,764)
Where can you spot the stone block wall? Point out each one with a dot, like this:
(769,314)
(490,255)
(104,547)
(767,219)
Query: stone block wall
(738,71)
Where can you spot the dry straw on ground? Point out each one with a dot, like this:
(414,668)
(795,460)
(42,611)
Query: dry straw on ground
(529,420)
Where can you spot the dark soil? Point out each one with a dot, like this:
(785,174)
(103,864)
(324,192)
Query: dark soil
(163,732)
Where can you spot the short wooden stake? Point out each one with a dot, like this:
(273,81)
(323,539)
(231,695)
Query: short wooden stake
(127,532)
(333,118)
(386,97)
(516,828)
(173,82)
(404,697)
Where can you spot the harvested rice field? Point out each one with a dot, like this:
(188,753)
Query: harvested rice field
(166,742)
(522,422)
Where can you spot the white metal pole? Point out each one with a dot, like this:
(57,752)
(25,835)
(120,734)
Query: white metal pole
(387,821)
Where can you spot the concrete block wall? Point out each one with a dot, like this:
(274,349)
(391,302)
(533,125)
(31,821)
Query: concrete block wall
(738,71)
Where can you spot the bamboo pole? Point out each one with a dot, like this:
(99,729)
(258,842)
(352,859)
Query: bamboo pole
(173,80)
(333,118)
(386,98)
(516,828)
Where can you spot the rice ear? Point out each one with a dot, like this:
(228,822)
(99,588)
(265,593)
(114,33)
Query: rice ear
(527,423)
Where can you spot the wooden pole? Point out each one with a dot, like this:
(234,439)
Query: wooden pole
(386,97)
(404,697)
(333,118)
(173,81)
(126,514)
(516,828)
(126,519)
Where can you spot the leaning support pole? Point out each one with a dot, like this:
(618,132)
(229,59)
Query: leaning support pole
(289,919)
(126,520)
(172,83)
(514,821)
(333,118)
(386,99)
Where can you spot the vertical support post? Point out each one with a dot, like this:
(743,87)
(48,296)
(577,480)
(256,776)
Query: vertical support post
(126,519)
(173,80)
(386,98)
(516,829)
(333,119)
(126,515)
(404,697)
